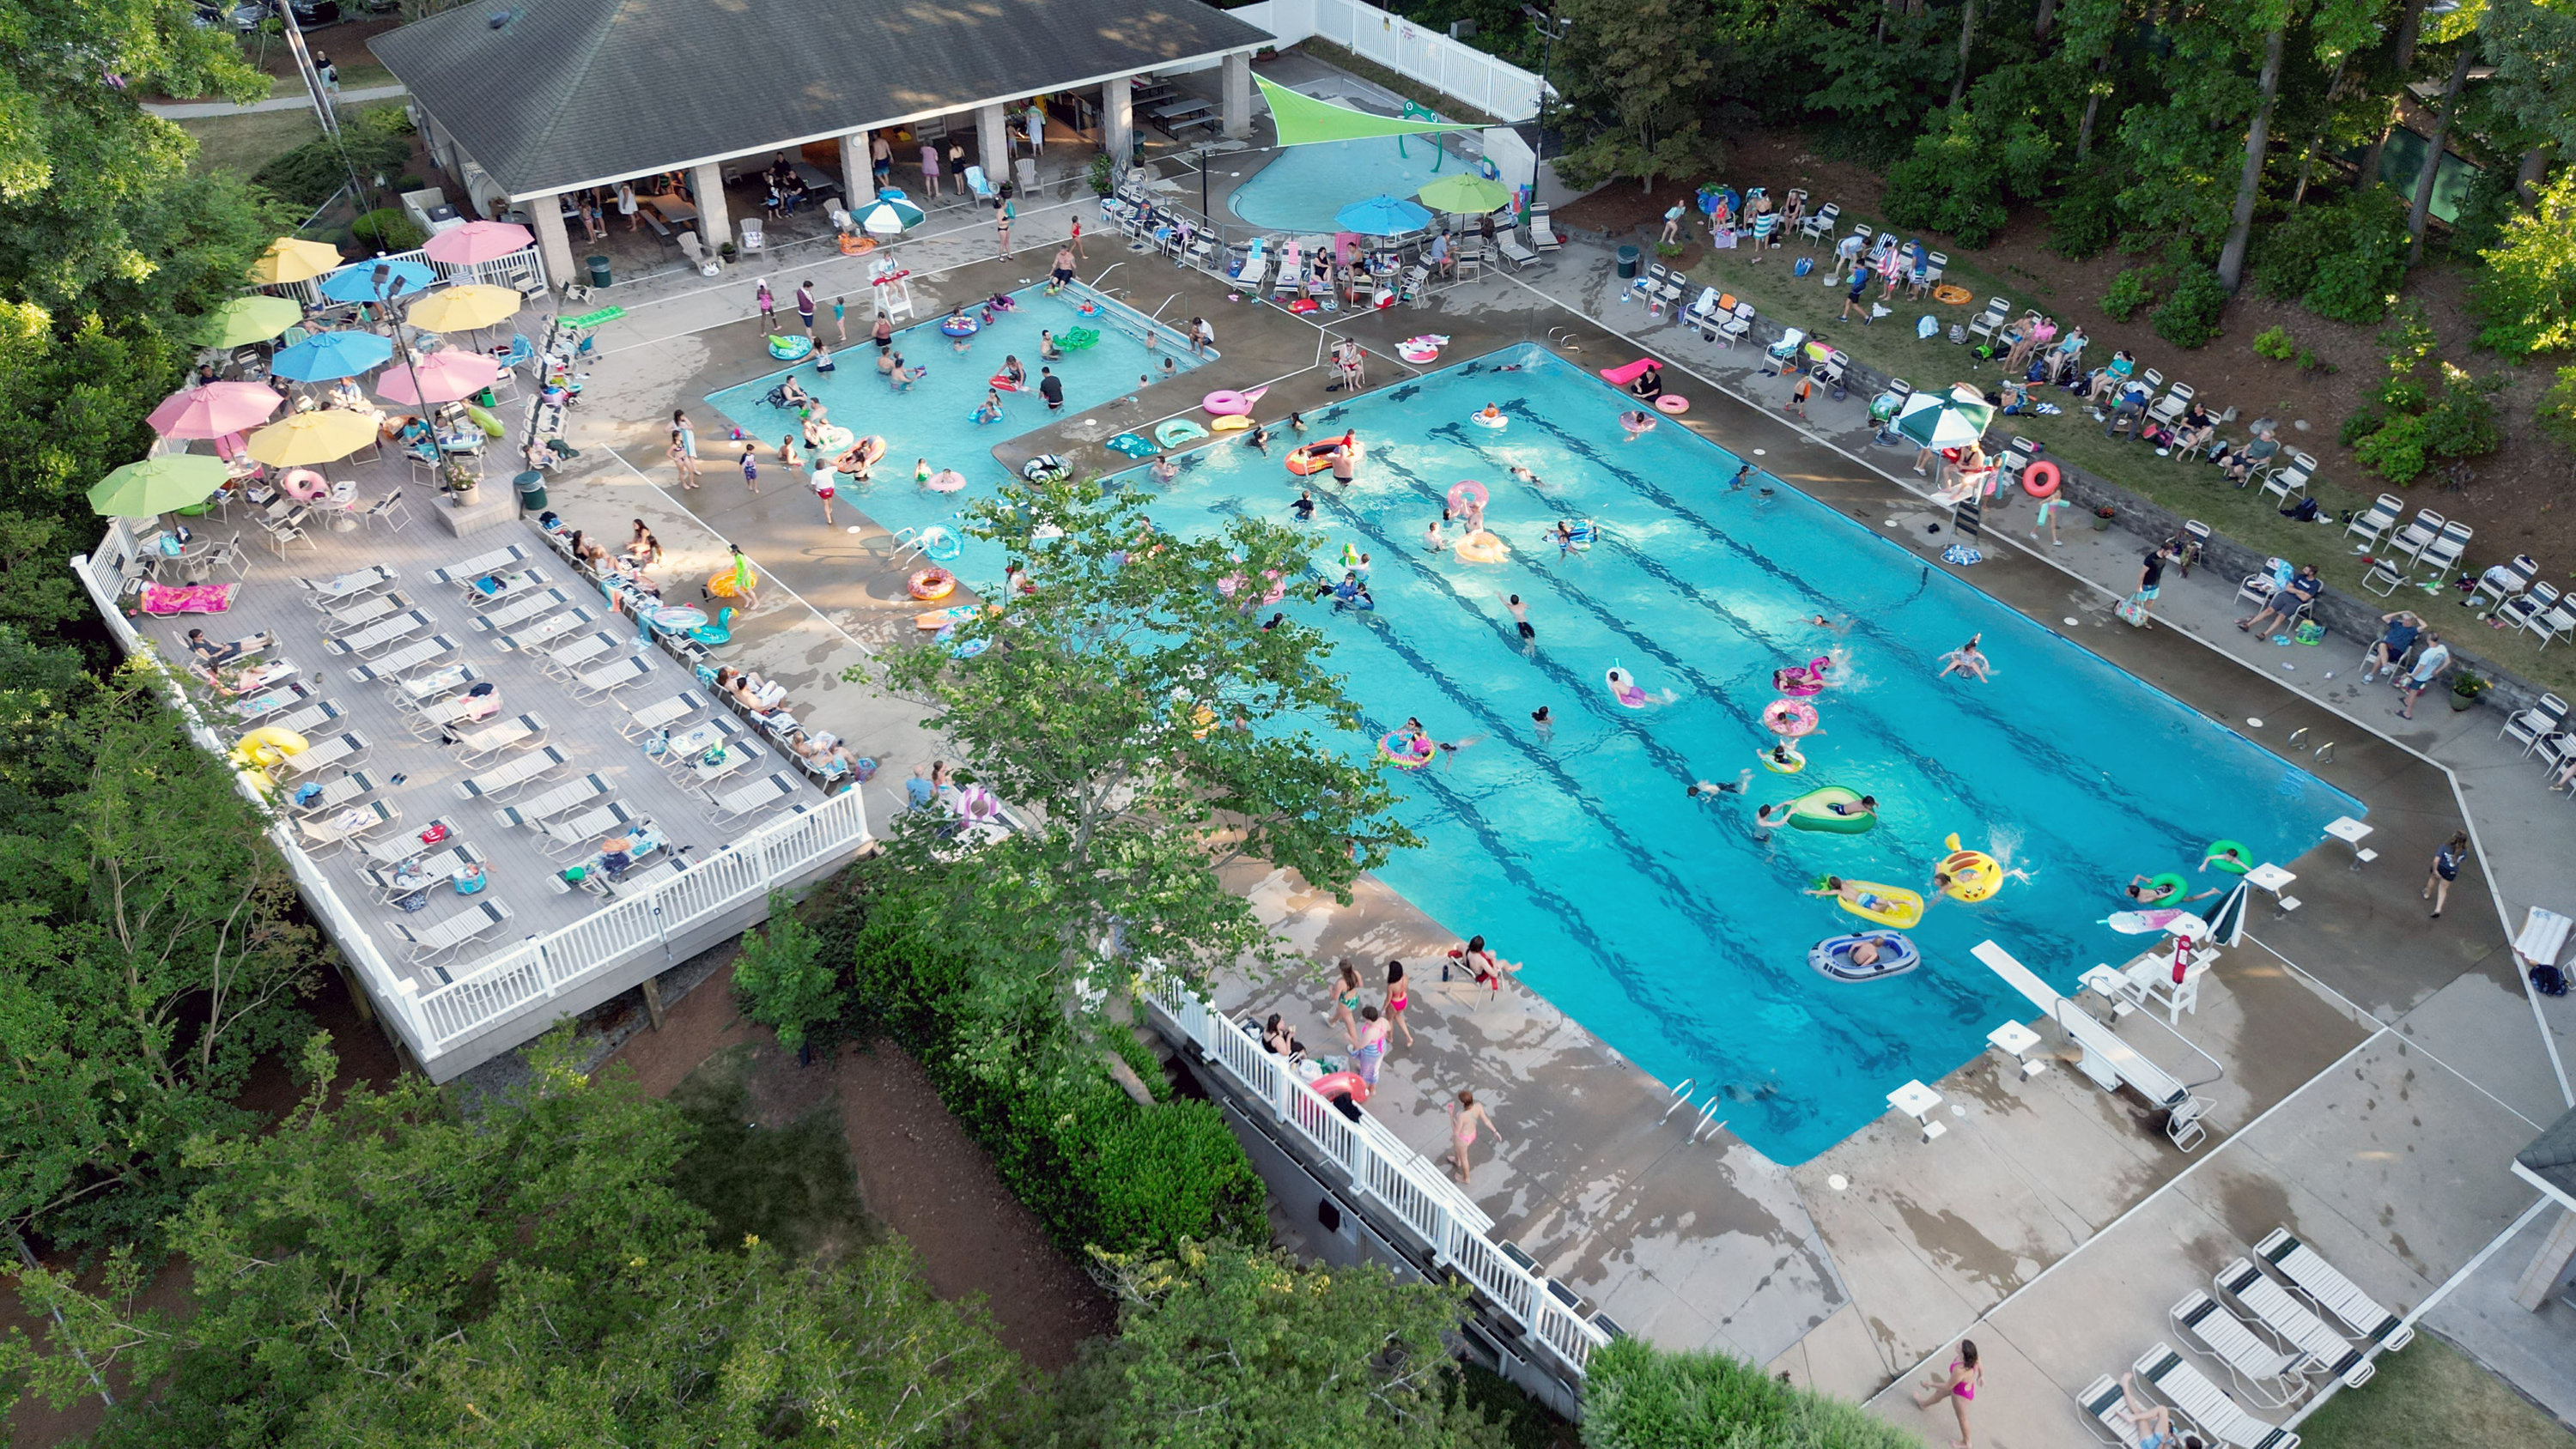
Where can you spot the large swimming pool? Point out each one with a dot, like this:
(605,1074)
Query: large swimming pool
(1668,926)
(934,421)
(1303,186)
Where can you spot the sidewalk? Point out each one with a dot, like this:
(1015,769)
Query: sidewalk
(205,110)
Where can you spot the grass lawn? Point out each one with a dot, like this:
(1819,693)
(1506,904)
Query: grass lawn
(2195,490)
(248,142)
(2431,1396)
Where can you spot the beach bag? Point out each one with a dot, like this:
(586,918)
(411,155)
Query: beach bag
(469,881)
(2132,612)
(2548,980)
(433,835)
(1958,333)
(1804,266)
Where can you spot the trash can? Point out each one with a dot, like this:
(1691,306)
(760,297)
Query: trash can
(532,491)
(1627,266)
(599,270)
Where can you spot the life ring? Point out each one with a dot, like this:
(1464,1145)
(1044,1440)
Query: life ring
(1772,763)
(1466,488)
(2166,889)
(933,583)
(1230,423)
(853,244)
(1327,1087)
(1174,431)
(2233,858)
(1673,403)
(788,347)
(1226,402)
(1789,718)
(960,326)
(946,480)
(1637,422)
(1046,468)
(1892,906)
(1315,458)
(871,450)
(1951,296)
(1404,759)
(2032,479)
(266,747)
(1490,416)
(833,438)
(1810,812)
(1483,547)
(1417,352)
(1802,680)
(1974,875)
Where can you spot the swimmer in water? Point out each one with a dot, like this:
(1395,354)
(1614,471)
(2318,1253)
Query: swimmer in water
(1743,476)
(1526,476)
(1520,616)
(1968,661)
(1786,755)
(1296,422)
(1545,721)
(1432,541)
(2142,890)
(1710,790)
(1450,748)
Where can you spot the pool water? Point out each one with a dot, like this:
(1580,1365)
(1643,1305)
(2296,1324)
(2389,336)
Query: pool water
(1665,925)
(1303,186)
(934,421)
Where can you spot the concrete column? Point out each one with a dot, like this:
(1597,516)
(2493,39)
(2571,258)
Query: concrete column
(715,224)
(653,1001)
(858,176)
(1238,95)
(993,144)
(1118,120)
(2548,1267)
(553,243)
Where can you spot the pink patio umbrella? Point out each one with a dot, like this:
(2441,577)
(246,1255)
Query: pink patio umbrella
(215,410)
(476,242)
(445,375)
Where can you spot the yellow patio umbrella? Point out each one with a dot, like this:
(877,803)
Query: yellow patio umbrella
(463,308)
(292,259)
(323,436)
(248,319)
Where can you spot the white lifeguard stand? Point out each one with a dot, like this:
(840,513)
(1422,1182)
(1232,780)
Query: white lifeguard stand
(893,286)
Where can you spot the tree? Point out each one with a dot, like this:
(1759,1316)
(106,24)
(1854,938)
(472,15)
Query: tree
(782,978)
(1223,1345)
(2525,291)
(1637,1396)
(1152,731)
(2258,135)
(1636,67)
(2534,52)
(2426,174)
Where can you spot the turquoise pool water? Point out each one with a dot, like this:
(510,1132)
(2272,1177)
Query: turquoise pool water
(934,421)
(1668,926)
(1303,186)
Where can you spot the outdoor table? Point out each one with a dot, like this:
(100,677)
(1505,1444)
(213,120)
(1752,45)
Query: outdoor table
(669,208)
(818,182)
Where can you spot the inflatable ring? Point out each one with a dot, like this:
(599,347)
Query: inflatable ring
(1313,458)
(944,618)
(1490,417)
(1077,338)
(1796,763)
(788,347)
(1400,759)
(2238,857)
(1950,296)
(1810,812)
(1892,906)
(1226,402)
(1974,875)
(1789,718)
(1802,681)
(265,747)
(1467,488)
(933,583)
(2173,887)
(833,438)
(1328,1087)
(1046,468)
(1637,422)
(1483,547)
(2031,476)
(1417,352)
(960,326)
(1230,423)
(871,450)
(1673,403)
(1174,431)
(946,480)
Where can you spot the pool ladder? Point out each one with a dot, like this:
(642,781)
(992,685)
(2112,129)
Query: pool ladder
(1702,1123)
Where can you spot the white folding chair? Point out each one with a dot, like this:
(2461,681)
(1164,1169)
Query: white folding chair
(2173,404)
(2530,725)
(2282,482)
(2518,611)
(2375,521)
(1997,309)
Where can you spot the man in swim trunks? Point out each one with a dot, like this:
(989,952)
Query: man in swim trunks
(2146,893)
(1864,952)
(1851,895)
(1526,476)
(1868,805)
(1710,790)
(1520,616)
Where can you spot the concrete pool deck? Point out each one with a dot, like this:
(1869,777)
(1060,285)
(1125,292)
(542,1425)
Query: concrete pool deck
(2381,1068)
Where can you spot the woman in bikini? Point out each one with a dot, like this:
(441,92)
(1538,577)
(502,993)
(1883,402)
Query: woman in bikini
(1960,1387)
(1465,1116)
(1397,998)
(1346,1002)
(2154,1422)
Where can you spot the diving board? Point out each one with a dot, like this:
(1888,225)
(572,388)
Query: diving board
(2107,1059)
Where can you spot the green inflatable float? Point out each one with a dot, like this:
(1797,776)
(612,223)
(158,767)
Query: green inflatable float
(1814,811)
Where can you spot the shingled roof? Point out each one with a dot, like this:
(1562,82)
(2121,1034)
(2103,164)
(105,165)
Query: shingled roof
(2551,1158)
(551,94)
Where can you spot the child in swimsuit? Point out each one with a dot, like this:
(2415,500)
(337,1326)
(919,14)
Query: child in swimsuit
(1397,998)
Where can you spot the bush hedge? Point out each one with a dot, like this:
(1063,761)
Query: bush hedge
(2189,318)
(2342,261)
(377,142)
(1636,1396)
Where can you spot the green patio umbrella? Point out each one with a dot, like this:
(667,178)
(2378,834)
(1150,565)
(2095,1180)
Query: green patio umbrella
(1937,422)
(1464,194)
(248,319)
(158,485)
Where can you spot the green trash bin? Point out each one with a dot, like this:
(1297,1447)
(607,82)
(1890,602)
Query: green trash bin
(532,491)
(1627,266)
(599,270)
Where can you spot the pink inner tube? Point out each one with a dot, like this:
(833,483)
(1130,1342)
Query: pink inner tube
(946,480)
(1227,403)
(1626,375)
(1636,422)
(1789,718)
(1466,488)
(1672,402)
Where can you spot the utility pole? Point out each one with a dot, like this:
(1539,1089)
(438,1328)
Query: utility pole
(1552,30)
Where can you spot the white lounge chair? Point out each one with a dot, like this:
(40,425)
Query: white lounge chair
(2543,936)
(1513,252)
(392,882)
(2106,1404)
(401,661)
(378,637)
(495,739)
(479,565)
(757,796)
(1542,231)
(2261,1372)
(2191,1391)
(2518,611)
(537,811)
(339,827)
(568,838)
(2171,407)
(661,714)
(320,753)
(2289,1320)
(455,931)
(491,590)
(2504,581)
(2330,1290)
(354,785)
(607,679)
(1701,312)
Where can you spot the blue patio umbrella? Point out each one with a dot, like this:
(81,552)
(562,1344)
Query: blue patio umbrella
(1382,216)
(328,356)
(358,283)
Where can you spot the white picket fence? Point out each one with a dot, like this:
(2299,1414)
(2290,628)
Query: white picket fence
(1499,89)
(1384,1170)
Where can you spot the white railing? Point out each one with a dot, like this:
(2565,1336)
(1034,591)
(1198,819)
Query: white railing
(1498,88)
(1409,1187)
(532,971)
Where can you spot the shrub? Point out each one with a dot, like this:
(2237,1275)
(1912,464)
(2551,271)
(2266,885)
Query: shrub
(386,229)
(2343,261)
(2189,318)
(1099,175)
(2557,414)
(1961,169)
(2396,451)
(310,174)
(2132,292)
(2411,426)
(2360,425)
(2285,264)
(782,980)
(2525,290)
(2275,343)
(1637,1396)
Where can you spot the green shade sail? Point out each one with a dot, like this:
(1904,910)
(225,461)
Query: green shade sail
(1304,120)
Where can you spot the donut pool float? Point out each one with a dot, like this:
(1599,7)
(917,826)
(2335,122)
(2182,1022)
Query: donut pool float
(2232,857)
(1226,402)
(1637,422)
(960,326)
(1230,423)
(1490,416)
(946,480)
(2167,886)
(2040,479)
(933,582)
(1408,759)
(1341,1084)
(1812,811)
(833,438)
(1789,718)
(787,347)
(1463,489)
(1046,468)
(1974,875)
(1673,403)
(1417,352)
(1483,547)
